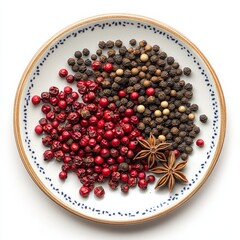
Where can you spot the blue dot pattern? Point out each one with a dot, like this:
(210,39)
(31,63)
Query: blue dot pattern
(173,197)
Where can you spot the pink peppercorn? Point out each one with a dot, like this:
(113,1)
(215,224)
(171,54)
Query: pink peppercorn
(36,99)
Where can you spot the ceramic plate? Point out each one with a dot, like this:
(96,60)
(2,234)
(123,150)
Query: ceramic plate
(117,207)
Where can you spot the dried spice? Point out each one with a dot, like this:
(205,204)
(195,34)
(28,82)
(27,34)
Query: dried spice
(151,150)
(171,171)
(203,118)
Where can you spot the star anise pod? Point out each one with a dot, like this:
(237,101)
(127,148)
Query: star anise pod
(151,150)
(171,172)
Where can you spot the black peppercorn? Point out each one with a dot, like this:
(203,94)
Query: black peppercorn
(80,61)
(133,81)
(130,89)
(99,52)
(147,130)
(102,58)
(78,54)
(93,57)
(122,50)
(188,87)
(203,118)
(141,126)
(124,101)
(179,72)
(122,109)
(193,107)
(161,96)
(150,99)
(147,112)
(143,43)
(170,60)
(152,69)
(178,140)
(106,84)
(71,61)
(78,76)
(87,62)
(188,140)
(137,87)
(188,149)
(163,55)
(102,44)
(126,62)
(155,132)
(111,52)
(153,107)
(175,65)
(115,86)
(118,43)
(109,44)
(146,120)
(75,68)
(106,92)
(117,58)
(186,71)
(123,167)
(184,156)
(156,48)
(141,99)
(196,129)
(130,104)
(85,52)
(89,72)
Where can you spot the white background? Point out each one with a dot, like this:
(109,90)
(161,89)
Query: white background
(27,213)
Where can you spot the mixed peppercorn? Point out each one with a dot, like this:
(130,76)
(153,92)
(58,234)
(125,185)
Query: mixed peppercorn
(126,95)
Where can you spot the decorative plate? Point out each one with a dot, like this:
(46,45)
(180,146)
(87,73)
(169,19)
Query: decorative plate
(116,207)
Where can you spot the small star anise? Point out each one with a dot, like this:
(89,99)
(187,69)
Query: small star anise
(171,172)
(152,150)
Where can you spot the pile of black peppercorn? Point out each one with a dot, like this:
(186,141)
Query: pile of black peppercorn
(168,113)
